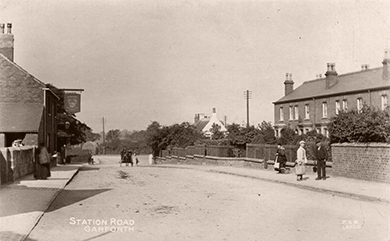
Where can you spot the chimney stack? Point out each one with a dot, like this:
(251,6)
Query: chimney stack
(9,26)
(288,84)
(7,41)
(331,75)
(386,66)
(196,118)
(365,67)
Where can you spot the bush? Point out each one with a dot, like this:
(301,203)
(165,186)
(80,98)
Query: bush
(366,125)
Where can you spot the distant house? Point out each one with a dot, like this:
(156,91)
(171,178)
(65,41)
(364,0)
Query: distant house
(28,106)
(204,123)
(311,105)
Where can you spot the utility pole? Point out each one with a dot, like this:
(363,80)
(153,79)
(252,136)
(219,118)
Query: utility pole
(104,134)
(247,95)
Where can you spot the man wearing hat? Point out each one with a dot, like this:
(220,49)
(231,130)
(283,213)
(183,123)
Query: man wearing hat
(321,156)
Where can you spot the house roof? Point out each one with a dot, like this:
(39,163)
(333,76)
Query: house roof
(201,124)
(351,82)
(20,117)
(21,69)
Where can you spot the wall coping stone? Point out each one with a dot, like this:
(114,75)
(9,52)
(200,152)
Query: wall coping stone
(357,144)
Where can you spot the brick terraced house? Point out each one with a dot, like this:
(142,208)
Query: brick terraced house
(311,105)
(27,106)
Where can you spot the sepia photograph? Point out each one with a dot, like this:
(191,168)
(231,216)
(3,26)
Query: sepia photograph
(253,120)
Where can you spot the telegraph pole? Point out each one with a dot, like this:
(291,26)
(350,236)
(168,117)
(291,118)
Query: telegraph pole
(104,134)
(247,95)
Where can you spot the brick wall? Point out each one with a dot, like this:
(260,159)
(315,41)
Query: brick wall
(15,162)
(362,161)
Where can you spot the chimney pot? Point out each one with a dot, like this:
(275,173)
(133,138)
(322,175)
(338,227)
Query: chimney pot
(9,26)
(214,110)
(286,76)
(291,76)
(2,26)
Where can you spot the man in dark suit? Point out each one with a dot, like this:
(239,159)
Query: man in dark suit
(321,156)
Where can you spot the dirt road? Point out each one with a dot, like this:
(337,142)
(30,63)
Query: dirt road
(108,202)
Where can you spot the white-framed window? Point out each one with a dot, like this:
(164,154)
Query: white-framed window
(337,103)
(326,133)
(359,104)
(281,116)
(345,105)
(296,111)
(384,102)
(291,113)
(324,109)
(307,111)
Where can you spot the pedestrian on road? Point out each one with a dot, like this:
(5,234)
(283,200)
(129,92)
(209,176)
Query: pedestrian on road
(128,158)
(280,159)
(136,159)
(42,162)
(321,156)
(300,168)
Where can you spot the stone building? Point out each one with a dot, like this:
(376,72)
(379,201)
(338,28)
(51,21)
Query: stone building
(312,104)
(28,106)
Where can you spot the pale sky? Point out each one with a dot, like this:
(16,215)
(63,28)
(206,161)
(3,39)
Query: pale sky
(165,61)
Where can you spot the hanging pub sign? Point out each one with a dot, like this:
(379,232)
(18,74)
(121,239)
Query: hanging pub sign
(72,102)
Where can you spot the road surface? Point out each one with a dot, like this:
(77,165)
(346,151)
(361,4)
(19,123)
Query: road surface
(108,202)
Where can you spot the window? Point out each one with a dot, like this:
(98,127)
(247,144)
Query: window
(324,110)
(337,107)
(359,104)
(345,105)
(296,112)
(281,116)
(384,102)
(291,113)
(307,111)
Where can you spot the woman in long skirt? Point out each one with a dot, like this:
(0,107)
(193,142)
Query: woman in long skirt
(301,161)
(42,162)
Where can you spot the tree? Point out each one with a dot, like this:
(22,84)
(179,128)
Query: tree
(112,135)
(90,136)
(217,134)
(154,137)
(365,125)
(288,136)
(113,141)
(266,134)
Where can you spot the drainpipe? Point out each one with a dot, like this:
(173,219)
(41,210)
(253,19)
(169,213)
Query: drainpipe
(44,117)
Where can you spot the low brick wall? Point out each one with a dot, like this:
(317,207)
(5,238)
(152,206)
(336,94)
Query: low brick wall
(232,161)
(16,162)
(368,161)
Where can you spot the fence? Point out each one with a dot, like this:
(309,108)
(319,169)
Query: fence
(255,151)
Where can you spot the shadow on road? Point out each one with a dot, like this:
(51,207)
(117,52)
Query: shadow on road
(89,168)
(69,197)
(8,235)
